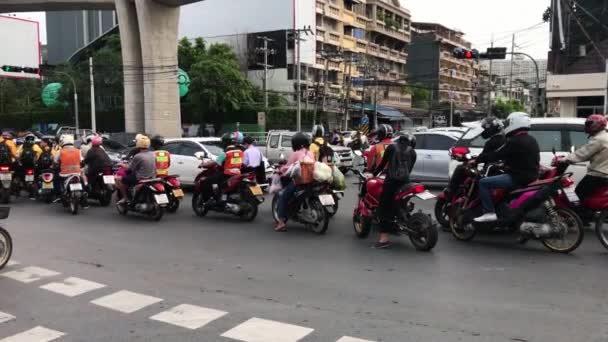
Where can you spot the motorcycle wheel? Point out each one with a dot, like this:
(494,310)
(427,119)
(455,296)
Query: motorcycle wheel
(251,210)
(334,209)
(574,235)
(361,226)
(157,213)
(48,199)
(427,234)
(122,208)
(275,208)
(319,227)
(601,228)
(5,196)
(6,247)
(105,197)
(441,214)
(173,205)
(74,205)
(198,204)
(459,231)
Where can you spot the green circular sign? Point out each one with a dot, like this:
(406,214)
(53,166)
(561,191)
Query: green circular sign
(50,94)
(183,81)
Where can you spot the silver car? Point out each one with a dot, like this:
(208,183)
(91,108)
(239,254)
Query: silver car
(432,148)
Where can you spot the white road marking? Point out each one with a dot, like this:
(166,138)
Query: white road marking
(352,339)
(4,317)
(189,316)
(12,263)
(30,274)
(72,287)
(126,301)
(261,330)
(37,334)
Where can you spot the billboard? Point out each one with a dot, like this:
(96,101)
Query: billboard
(20,46)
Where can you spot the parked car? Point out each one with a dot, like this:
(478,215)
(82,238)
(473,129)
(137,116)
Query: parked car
(563,134)
(432,148)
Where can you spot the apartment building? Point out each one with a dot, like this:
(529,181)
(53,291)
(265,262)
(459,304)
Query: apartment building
(432,64)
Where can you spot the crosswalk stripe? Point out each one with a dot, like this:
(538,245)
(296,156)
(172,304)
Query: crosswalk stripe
(189,316)
(4,317)
(126,301)
(37,334)
(352,339)
(72,286)
(29,274)
(261,330)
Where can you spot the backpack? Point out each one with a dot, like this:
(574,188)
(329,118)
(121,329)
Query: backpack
(5,155)
(325,152)
(28,156)
(45,160)
(399,164)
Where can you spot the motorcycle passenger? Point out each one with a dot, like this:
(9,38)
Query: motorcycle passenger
(596,152)
(398,160)
(96,160)
(319,146)
(231,160)
(299,144)
(45,161)
(163,158)
(253,160)
(141,167)
(86,145)
(521,156)
(493,132)
(69,161)
(384,136)
(8,149)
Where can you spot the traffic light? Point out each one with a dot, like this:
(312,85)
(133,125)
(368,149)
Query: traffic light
(17,69)
(461,53)
(495,53)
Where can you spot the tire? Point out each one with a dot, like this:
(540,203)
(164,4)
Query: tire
(253,212)
(361,226)
(105,197)
(173,205)
(335,208)
(198,205)
(157,213)
(320,227)
(48,199)
(601,228)
(5,196)
(122,209)
(577,237)
(428,234)
(275,207)
(441,214)
(6,247)
(457,229)
(74,205)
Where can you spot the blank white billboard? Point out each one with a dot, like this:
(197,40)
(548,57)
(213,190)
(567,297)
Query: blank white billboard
(19,45)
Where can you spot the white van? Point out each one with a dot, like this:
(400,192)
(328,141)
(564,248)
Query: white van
(563,134)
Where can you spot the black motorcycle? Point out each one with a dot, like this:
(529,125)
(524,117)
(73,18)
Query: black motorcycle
(6,243)
(102,186)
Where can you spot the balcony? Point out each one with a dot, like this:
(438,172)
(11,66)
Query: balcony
(350,19)
(334,38)
(333,12)
(373,49)
(361,46)
(349,43)
(380,27)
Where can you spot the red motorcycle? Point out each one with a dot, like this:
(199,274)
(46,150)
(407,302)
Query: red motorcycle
(240,195)
(175,193)
(418,226)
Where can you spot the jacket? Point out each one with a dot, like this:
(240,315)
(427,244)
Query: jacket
(163,161)
(596,152)
(388,155)
(316,149)
(376,154)
(97,159)
(521,155)
(12,148)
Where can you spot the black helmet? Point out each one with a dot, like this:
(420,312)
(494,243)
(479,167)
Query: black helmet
(491,127)
(228,139)
(407,140)
(249,140)
(300,140)
(318,131)
(384,131)
(157,141)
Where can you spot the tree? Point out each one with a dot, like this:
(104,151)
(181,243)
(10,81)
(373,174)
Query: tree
(421,96)
(189,54)
(502,109)
(547,15)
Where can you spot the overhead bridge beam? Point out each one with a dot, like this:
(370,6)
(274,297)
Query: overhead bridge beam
(54,5)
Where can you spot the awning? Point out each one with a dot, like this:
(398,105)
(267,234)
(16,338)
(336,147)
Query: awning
(384,112)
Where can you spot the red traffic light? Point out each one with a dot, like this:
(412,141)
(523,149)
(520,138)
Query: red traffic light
(468,55)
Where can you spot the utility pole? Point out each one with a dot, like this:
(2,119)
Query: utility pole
(511,73)
(298,40)
(92,79)
(266,52)
(605,97)
(348,88)
(329,56)
(490,87)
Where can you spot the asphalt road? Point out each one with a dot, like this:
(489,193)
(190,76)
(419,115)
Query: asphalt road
(248,283)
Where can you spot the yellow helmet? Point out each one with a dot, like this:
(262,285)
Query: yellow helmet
(142,142)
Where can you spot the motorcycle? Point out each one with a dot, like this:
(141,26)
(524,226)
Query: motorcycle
(46,186)
(443,206)
(6,182)
(537,211)
(174,191)
(239,196)
(102,187)
(148,198)
(73,193)
(418,226)
(27,183)
(6,242)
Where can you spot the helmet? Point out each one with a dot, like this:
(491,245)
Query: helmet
(249,140)
(595,123)
(157,141)
(238,137)
(96,141)
(318,131)
(491,127)
(142,142)
(66,139)
(517,121)
(299,141)
(7,135)
(407,139)
(89,138)
(384,131)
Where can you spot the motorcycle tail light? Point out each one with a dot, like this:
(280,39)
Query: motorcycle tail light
(5,168)
(418,188)
(47,177)
(174,182)
(159,187)
(567,182)
(459,152)
(29,172)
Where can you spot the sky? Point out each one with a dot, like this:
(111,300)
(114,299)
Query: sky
(478,19)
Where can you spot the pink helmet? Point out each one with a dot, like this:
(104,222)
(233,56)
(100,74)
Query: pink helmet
(96,141)
(595,123)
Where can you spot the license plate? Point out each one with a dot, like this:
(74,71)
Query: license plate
(29,178)
(179,193)
(109,180)
(256,190)
(327,200)
(571,195)
(161,199)
(425,195)
(6,176)
(47,186)
(76,187)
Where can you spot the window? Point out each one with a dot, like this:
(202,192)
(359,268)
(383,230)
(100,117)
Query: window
(438,142)
(420,141)
(286,141)
(547,140)
(578,139)
(189,149)
(214,148)
(172,147)
(274,141)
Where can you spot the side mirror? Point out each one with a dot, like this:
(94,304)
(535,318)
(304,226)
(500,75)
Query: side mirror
(200,155)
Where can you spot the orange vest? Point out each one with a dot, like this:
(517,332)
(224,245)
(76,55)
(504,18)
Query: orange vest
(70,161)
(233,162)
(377,153)
(163,161)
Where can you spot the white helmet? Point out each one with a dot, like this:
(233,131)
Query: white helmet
(66,139)
(516,121)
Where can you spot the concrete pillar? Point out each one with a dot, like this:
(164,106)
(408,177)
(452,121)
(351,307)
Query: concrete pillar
(132,66)
(158,27)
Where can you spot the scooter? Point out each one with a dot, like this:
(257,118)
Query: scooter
(174,191)
(147,198)
(73,194)
(102,187)
(6,182)
(6,242)
(46,186)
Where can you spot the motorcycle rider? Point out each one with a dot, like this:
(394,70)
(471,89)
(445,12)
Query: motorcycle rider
(8,149)
(521,155)
(299,144)
(86,145)
(231,160)
(96,160)
(163,158)
(398,159)
(384,136)
(28,155)
(142,166)
(253,160)
(45,161)
(493,132)
(69,161)
(320,147)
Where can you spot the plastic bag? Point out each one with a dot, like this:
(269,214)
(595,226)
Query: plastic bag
(322,172)
(339,181)
(276,184)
